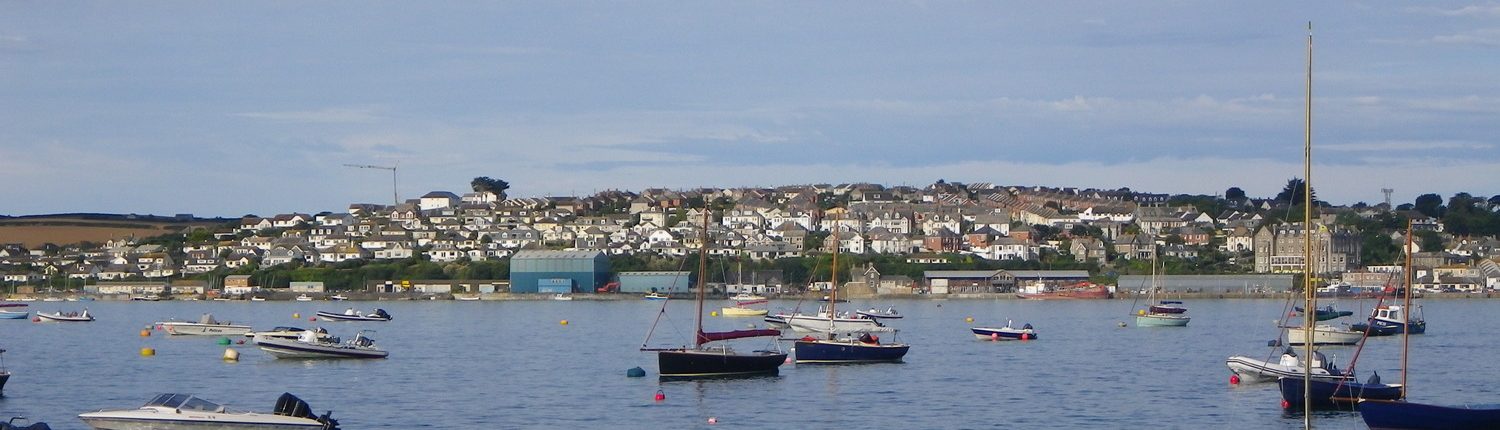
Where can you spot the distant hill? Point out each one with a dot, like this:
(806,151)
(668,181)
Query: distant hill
(62,229)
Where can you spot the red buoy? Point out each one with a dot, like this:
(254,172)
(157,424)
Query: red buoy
(1025,336)
(994,336)
(1234,379)
(1285,404)
(660,395)
(312,318)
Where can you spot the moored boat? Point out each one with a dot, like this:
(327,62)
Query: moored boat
(561,296)
(60,316)
(743,309)
(1326,313)
(655,296)
(1397,415)
(173,411)
(746,297)
(338,297)
(888,313)
(310,345)
(1325,394)
(1082,290)
(303,298)
(353,315)
(1390,320)
(13,315)
(206,326)
(1289,366)
(283,332)
(1324,334)
(1026,332)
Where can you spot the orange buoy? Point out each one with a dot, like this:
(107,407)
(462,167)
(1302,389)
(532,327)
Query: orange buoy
(145,333)
(994,336)
(36,319)
(1234,379)
(1025,336)
(660,395)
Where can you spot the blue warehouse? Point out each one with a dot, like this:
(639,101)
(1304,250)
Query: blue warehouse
(558,271)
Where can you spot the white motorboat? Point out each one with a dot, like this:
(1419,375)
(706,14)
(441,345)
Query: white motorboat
(337,297)
(1324,334)
(353,315)
(466,298)
(303,298)
(1257,370)
(59,316)
(822,322)
(310,345)
(283,332)
(257,299)
(206,326)
(561,296)
(889,313)
(1026,332)
(186,412)
(746,297)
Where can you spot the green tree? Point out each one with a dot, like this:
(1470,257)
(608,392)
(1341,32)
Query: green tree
(1293,192)
(486,184)
(1234,194)
(1430,205)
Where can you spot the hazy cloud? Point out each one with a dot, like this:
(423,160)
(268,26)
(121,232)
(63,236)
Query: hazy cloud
(328,115)
(1488,37)
(1405,145)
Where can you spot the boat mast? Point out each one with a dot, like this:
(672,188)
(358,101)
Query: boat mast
(833,278)
(1309,294)
(702,280)
(1406,310)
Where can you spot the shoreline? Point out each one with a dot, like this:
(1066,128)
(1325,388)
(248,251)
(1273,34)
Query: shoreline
(376,297)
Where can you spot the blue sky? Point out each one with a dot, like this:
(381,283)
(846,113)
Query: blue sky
(231,108)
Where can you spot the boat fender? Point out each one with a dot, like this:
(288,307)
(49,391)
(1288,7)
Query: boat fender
(994,336)
(1234,379)
(1025,336)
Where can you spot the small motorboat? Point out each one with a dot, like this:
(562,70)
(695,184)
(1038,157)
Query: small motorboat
(746,297)
(655,296)
(337,297)
(1388,321)
(185,411)
(206,326)
(52,299)
(562,296)
(283,332)
(466,298)
(310,345)
(303,298)
(778,320)
(60,316)
(1026,332)
(353,315)
(888,313)
(1326,313)
(257,299)
(13,315)
(826,298)
(1290,366)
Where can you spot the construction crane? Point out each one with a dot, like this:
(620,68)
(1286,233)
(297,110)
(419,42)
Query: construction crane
(396,199)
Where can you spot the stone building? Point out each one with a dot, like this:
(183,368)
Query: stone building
(1280,248)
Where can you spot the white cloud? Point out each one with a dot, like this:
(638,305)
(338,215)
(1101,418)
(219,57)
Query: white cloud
(1405,145)
(1482,37)
(326,116)
(1470,10)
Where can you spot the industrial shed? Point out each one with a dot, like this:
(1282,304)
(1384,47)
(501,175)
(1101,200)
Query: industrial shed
(558,271)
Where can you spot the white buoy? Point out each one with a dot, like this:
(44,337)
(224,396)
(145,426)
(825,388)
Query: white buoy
(231,355)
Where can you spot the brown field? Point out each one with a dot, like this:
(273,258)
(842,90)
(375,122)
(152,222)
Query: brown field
(35,232)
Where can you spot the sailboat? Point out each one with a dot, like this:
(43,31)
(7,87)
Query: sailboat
(841,346)
(703,360)
(1164,314)
(1389,414)
(1305,390)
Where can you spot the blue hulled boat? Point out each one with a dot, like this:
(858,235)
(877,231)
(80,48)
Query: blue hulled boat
(864,349)
(1335,394)
(1026,332)
(1390,320)
(1380,414)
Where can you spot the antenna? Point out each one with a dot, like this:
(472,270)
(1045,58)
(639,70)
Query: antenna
(1387,192)
(395,199)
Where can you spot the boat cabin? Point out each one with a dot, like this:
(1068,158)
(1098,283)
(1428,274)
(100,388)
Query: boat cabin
(1389,313)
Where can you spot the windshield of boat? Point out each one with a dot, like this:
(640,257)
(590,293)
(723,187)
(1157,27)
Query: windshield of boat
(184,401)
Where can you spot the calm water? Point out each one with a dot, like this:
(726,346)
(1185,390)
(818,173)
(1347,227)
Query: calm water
(512,365)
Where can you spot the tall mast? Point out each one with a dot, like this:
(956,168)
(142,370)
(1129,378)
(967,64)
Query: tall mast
(1308,292)
(702,280)
(833,277)
(1406,310)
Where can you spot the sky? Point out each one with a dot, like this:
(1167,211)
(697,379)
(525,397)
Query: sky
(234,108)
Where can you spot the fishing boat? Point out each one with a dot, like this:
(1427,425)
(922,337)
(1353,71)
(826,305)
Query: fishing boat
(206,326)
(353,315)
(1327,313)
(704,360)
(655,296)
(1026,332)
(1303,391)
(1391,320)
(310,345)
(60,316)
(1081,290)
(187,412)
(743,309)
(1251,370)
(838,346)
(1150,317)
(303,298)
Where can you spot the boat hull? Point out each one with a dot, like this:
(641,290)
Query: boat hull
(62,318)
(296,349)
(817,324)
(100,423)
(1334,394)
(741,312)
(334,316)
(1161,321)
(1379,327)
(8,315)
(1323,335)
(693,363)
(1379,414)
(834,351)
(1003,333)
(196,329)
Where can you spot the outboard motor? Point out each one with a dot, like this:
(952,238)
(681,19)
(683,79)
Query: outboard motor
(1374,378)
(381,313)
(11,425)
(291,406)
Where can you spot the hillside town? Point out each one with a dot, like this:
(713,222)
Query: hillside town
(1003,235)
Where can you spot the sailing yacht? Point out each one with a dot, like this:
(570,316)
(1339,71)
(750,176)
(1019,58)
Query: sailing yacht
(845,346)
(1163,314)
(703,360)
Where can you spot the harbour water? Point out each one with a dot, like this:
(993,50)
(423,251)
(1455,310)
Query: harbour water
(514,365)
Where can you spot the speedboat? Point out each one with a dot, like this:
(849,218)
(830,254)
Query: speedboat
(1026,332)
(310,345)
(186,412)
(888,313)
(1290,366)
(561,296)
(303,298)
(746,297)
(655,296)
(353,315)
(206,326)
(283,332)
(59,316)
(337,297)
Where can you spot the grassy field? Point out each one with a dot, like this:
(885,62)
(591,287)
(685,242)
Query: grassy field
(35,231)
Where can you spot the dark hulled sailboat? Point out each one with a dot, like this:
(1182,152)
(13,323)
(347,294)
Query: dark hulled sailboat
(702,360)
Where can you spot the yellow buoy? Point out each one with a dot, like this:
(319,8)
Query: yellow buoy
(145,333)
(713,314)
(563,322)
(231,355)
(1140,312)
(969,319)
(297,316)
(147,352)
